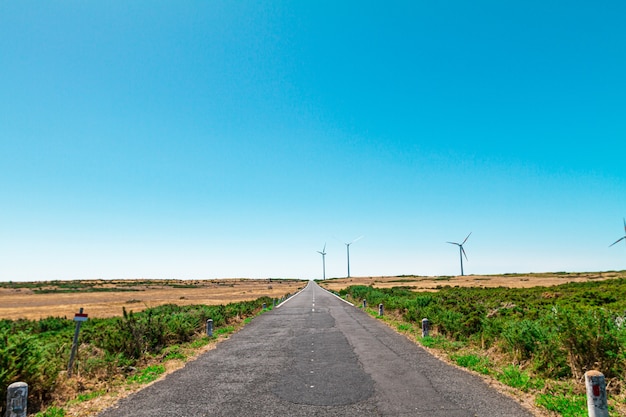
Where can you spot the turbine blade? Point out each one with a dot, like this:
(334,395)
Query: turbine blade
(358,238)
(617,241)
(463,250)
(466,239)
(624,225)
(454,243)
(323,250)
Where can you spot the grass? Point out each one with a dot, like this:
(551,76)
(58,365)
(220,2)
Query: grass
(223,330)
(404,327)
(513,376)
(474,362)
(52,412)
(174,352)
(574,405)
(86,397)
(443,343)
(146,375)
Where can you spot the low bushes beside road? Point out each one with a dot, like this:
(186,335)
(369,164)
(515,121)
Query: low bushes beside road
(37,351)
(551,335)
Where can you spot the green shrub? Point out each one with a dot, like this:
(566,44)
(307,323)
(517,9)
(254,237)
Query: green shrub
(523,338)
(593,340)
(36,351)
(25,358)
(557,332)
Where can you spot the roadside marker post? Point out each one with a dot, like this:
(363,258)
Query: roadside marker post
(381,309)
(79,318)
(425,325)
(209,327)
(596,394)
(17,399)
(364,303)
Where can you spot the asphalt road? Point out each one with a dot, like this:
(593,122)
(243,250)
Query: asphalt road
(316,355)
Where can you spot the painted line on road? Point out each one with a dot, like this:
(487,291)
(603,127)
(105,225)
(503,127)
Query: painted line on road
(294,296)
(335,295)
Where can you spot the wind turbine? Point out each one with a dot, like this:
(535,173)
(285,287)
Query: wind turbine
(621,238)
(461,251)
(348,251)
(323,253)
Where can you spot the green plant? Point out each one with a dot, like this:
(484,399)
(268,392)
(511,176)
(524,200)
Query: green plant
(513,376)
(173,352)
(404,327)
(224,330)
(86,397)
(474,362)
(51,412)
(593,341)
(149,374)
(441,342)
(198,343)
(566,405)
(523,338)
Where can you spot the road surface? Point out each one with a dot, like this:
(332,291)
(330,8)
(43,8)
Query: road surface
(316,355)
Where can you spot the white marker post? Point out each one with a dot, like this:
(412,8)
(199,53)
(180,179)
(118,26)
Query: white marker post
(209,327)
(79,318)
(596,394)
(17,399)
(381,309)
(424,327)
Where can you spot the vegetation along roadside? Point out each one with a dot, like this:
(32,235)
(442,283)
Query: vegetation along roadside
(539,341)
(116,355)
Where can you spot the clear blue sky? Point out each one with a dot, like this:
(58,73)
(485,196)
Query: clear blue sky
(204,139)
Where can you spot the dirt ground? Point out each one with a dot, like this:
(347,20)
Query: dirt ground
(16,303)
(106,298)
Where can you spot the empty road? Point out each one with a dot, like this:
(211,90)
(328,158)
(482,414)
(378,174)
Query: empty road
(317,356)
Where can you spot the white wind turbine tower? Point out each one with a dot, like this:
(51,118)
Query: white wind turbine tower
(323,253)
(461,251)
(348,251)
(621,238)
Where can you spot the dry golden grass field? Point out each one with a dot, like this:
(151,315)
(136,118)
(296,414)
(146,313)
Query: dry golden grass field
(102,298)
(420,283)
(105,298)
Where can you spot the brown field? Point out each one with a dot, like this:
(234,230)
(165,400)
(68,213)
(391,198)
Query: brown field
(419,283)
(106,298)
(135,295)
